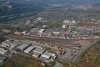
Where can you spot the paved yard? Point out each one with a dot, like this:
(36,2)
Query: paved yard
(58,65)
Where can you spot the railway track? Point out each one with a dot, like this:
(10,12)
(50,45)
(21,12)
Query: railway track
(48,40)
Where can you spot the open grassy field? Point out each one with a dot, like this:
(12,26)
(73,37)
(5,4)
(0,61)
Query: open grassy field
(21,61)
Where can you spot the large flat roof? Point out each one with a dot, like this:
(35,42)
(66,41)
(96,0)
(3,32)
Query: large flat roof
(39,50)
(14,44)
(46,55)
(3,51)
(23,45)
(41,30)
(7,42)
(29,49)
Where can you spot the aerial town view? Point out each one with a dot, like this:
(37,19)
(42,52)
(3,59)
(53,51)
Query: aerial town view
(49,33)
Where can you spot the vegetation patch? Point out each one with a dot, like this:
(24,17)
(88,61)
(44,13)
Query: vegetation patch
(21,61)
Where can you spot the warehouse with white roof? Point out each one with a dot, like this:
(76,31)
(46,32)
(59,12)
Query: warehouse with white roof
(14,45)
(36,55)
(24,46)
(6,43)
(39,50)
(41,30)
(46,56)
(30,49)
(3,51)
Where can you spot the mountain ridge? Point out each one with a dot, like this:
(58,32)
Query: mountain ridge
(10,8)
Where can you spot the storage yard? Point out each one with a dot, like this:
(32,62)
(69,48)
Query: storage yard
(69,30)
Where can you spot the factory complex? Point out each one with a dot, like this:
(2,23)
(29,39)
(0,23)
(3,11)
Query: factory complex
(69,30)
(49,45)
(39,50)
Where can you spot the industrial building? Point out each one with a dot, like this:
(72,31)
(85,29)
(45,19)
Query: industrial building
(49,56)
(64,26)
(24,46)
(44,26)
(6,43)
(25,32)
(69,22)
(45,55)
(6,31)
(3,51)
(41,30)
(39,50)
(38,46)
(36,55)
(39,18)
(14,45)
(77,46)
(56,33)
(53,55)
(66,21)
(34,31)
(30,49)
(3,58)
(17,33)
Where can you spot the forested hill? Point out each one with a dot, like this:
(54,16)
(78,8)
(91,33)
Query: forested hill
(10,8)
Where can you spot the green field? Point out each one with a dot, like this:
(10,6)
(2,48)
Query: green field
(21,61)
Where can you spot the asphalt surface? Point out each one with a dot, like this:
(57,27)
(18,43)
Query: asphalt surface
(58,65)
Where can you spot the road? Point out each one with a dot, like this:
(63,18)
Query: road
(58,65)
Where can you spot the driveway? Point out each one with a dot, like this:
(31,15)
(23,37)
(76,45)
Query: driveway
(58,65)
